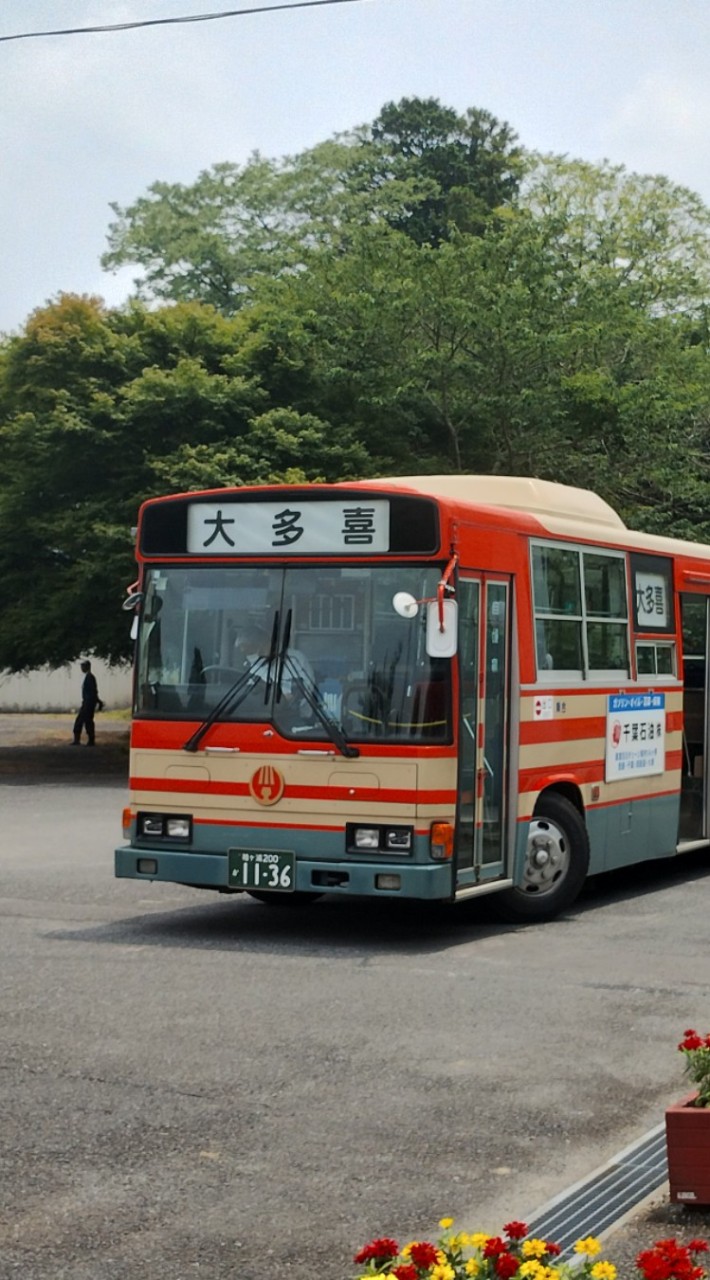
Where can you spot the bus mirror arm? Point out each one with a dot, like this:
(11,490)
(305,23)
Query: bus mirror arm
(407,605)
(444,586)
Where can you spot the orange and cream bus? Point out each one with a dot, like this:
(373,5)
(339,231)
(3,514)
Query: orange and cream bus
(429,687)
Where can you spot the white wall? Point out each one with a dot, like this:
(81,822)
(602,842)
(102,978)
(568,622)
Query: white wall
(60,690)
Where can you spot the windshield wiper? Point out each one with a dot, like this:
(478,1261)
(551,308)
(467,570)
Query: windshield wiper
(309,689)
(232,699)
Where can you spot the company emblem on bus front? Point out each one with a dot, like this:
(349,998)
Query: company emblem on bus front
(267,785)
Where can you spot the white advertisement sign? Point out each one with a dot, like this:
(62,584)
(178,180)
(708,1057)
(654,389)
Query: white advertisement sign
(635,735)
(283,528)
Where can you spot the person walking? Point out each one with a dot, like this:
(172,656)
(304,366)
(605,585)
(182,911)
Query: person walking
(89,702)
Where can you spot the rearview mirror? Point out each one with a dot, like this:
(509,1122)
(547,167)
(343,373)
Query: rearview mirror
(442,644)
(405,604)
(132,600)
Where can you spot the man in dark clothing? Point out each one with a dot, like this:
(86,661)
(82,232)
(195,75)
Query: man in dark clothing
(89,702)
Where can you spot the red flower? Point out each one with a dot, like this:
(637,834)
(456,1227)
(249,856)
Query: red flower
(378,1250)
(423,1254)
(553,1250)
(698,1246)
(506,1266)
(668,1260)
(405,1271)
(494,1247)
(516,1230)
(692,1041)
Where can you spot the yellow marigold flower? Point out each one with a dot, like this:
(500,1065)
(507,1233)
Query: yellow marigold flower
(531,1270)
(463,1240)
(458,1241)
(589,1245)
(442,1271)
(405,1252)
(445,1223)
(603,1271)
(478,1239)
(472,1267)
(534,1248)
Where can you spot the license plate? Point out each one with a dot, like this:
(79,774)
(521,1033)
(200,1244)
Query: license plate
(257,869)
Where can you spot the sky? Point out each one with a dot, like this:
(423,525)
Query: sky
(86,120)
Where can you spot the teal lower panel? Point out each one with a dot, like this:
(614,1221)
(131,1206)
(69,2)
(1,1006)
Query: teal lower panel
(209,871)
(633,831)
(622,834)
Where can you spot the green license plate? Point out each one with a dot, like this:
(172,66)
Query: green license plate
(259,869)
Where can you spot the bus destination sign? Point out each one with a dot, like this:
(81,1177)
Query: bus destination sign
(299,528)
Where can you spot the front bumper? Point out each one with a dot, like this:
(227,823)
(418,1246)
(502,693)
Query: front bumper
(210,871)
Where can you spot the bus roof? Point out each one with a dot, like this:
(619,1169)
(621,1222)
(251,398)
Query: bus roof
(560,509)
(517,493)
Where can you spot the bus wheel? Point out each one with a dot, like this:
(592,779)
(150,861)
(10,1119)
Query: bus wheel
(556,863)
(298,899)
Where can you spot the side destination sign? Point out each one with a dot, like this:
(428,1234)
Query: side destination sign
(307,528)
(635,735)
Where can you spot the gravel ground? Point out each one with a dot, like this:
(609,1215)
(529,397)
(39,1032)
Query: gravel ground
(656,1219)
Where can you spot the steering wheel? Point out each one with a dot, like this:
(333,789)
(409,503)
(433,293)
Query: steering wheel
(217,674)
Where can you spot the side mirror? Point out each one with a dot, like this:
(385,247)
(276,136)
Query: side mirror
(442,644)
(132,601)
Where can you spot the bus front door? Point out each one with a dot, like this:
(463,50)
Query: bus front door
(484,649)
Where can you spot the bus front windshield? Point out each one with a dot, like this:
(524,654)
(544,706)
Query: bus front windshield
(292,643)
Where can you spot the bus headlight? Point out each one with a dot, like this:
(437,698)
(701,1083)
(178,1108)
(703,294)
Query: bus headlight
(165,826)
(178,828)
(392,840)
(366,837)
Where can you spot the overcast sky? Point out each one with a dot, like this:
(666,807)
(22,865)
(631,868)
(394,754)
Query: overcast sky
(88,119)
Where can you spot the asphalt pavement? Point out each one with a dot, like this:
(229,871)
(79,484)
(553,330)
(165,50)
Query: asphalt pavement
(36,748)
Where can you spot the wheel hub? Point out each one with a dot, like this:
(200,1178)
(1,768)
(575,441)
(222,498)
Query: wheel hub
(546,857)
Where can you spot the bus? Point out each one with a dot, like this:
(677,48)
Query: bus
(421,687)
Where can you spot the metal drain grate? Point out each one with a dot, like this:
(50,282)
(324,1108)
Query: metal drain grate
(592,1206)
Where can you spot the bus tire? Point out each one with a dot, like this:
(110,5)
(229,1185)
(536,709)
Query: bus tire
(298,899)
(556,863)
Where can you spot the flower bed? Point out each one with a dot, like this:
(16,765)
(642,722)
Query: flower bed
(458,1255)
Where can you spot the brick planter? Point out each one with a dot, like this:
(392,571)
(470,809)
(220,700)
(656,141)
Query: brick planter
(688,1146)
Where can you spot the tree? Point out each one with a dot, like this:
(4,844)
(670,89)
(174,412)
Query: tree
(419,168)
(100,410)
(471,162)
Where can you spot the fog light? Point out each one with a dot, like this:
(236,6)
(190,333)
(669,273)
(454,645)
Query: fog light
(442,841)
(147,866)
(152,824)
(178,828)
(367,837)
(388,882)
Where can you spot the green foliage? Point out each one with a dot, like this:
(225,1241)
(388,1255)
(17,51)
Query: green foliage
(472,164)
(416,296)
(91,426)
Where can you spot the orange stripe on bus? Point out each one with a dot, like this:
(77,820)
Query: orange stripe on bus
(569,728)
(585,771)
(373,795)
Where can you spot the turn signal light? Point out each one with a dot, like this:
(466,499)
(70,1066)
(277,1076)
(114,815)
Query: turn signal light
(128,816)
(442,841)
